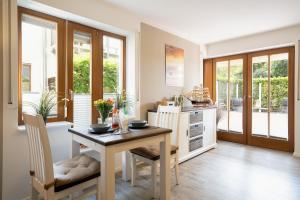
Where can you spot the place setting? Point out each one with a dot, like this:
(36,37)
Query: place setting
(106,129)
(114,118)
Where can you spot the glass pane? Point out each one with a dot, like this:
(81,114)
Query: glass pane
(112,66)
(279,95)
(39,61)
(260,95)
(236,96)
(82,79)
(222,93)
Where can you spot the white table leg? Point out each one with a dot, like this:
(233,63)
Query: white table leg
(126,167)
(75,151)
(165,185)
(107,174)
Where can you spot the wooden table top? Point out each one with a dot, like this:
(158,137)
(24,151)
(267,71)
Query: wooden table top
(108,139)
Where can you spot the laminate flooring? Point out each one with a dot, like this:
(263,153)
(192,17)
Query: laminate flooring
(229,172)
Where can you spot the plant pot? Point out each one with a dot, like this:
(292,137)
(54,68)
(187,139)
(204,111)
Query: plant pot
(45,120)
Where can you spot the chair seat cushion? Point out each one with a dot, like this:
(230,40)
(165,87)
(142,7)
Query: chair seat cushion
(74,171)
(151,152)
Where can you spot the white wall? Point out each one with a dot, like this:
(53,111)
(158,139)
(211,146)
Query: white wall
(276,38)
(97,10)
(15,154)
(1,94)
(152,67)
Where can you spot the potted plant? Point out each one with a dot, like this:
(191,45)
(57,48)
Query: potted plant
(45,105)
(104,107)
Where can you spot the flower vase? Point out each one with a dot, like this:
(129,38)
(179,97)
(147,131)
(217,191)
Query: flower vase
(103,117)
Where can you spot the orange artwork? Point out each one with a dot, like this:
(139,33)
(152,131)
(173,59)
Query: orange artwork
(174,66)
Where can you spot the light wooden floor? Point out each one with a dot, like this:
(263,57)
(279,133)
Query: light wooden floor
(230,172)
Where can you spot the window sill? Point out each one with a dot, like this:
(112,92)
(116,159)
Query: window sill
(51,125)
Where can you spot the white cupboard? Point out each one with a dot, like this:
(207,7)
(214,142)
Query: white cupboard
(197,131)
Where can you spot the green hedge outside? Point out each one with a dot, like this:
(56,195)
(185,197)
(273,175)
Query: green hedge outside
(81,75)
(279,90)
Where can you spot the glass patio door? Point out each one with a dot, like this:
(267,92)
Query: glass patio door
(230,97)
(271,96)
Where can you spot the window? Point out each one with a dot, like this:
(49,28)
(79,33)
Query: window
(40,60)
(96,69)
(113,80)
(94,60)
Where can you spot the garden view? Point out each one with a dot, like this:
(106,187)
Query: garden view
(269,95)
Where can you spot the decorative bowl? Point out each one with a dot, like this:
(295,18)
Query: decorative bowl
(100,128)
(138,123)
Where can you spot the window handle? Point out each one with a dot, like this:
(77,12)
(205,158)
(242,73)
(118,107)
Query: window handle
(71,93)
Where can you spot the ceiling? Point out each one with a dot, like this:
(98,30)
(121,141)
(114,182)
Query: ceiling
(208,21)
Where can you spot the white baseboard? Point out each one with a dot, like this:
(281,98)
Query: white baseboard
(296,154)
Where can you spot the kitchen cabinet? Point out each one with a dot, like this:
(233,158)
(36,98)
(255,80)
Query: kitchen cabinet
(197,131)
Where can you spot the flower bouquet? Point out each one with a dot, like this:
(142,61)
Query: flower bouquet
(104,107)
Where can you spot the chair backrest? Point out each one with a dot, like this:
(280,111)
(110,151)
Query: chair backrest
(41,165)
(168,117)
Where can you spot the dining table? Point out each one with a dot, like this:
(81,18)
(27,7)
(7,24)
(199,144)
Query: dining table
(108,144)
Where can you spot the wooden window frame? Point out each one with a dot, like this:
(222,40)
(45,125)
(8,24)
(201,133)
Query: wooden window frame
(209,78)
(231,135)
(261,141)
(60,62)
(96,61)
(123,38)
(97,64)
(65,59)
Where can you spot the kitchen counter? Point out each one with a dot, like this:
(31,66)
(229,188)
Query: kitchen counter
(190,108)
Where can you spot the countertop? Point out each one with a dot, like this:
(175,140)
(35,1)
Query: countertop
(191,108)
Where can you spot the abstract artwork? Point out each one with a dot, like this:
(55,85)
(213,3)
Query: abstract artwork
(174,66)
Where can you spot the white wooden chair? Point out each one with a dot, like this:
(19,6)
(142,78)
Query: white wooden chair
(62,179)
(167,117)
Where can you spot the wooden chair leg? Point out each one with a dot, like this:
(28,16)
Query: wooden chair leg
(35,194)
(177,169)
(49,195)
(133,170)
(154,178)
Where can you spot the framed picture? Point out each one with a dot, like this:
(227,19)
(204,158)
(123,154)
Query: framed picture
(174,66)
